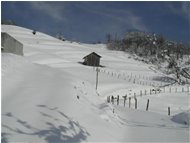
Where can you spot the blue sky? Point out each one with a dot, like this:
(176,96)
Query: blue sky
(91,21)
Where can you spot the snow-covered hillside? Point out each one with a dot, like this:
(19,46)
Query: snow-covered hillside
(48,96)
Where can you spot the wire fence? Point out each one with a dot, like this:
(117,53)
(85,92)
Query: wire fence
(154,81)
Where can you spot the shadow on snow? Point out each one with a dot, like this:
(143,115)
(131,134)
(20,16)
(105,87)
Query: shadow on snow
(67,129)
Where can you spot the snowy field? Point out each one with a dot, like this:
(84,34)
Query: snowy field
(48,96)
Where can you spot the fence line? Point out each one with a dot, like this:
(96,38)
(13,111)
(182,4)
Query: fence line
(152,91)
(140,79)
(158,88)
(135,102)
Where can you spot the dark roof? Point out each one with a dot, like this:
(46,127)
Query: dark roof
(93,53)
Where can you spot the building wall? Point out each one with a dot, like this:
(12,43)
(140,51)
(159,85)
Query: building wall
(92,60)
(11,45)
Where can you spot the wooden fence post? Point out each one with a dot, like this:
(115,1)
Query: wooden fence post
(112,99)
(108,99)
(129,102)
(97,70)
(124,100)
(135,103)
(147,105)
(168,111)
(117,100)
(145,91)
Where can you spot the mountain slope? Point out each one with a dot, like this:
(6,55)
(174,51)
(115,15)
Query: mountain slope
(48,96)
